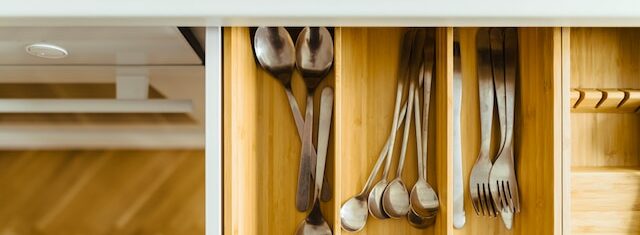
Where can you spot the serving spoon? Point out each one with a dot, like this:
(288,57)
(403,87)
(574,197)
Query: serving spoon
(374,201)
(353,213)
(396,197)
(275,52)
(314,58)
(423,199)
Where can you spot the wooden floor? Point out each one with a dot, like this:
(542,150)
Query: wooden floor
(102,192)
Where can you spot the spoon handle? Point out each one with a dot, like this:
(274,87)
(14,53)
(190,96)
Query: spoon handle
(326,108)
(418,126)
(407,127)
(429,58)
(297,117)
(405,59)
(304,183)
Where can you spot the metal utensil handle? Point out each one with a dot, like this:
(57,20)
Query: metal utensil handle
(485,91)
(497,63)
(405,134)
(324,128)
(304,183)
(458,191)
(297,117)
(511,64)
(418,128)
(417,55)
(382,155)
(405,59)
(429,63)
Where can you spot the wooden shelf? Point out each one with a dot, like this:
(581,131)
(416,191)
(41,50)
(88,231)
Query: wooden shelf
(605,200)
(604,186)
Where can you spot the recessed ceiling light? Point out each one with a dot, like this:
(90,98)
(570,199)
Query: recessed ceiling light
(46,51)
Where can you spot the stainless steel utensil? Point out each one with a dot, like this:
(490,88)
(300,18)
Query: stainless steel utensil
(395,200)
(275,52)
(459,218)
(503,183)
(314,58)
(315,224)
(479,178)
(423,199)
(497,63)
(353,213)
(420,222)
(374,201)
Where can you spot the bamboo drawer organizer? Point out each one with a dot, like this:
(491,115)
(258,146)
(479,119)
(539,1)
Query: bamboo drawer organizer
(559,149)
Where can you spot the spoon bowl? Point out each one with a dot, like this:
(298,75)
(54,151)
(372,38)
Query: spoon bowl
(314,54)
(275,52)
(420,222)
(375,200)
(353,214)
(424,200)
(314,224)
(396,199)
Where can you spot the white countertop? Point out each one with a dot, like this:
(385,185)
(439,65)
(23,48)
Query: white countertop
(325,12)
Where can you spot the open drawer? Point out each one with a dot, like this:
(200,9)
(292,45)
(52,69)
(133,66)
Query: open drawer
(262,148)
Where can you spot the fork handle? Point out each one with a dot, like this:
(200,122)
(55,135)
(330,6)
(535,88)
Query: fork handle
(485,90)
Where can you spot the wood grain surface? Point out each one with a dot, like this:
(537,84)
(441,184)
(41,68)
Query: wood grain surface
(605,152)
(102,192)
(261,144)
(537,129)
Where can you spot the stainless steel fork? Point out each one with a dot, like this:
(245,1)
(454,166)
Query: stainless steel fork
(503,182)
(479,178)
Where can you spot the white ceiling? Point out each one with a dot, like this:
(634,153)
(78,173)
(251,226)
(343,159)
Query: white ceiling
(96,56)
(99,46)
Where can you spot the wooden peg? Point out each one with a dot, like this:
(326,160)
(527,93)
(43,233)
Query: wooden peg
(631,101)
(611,99)
(590,98)
(575,97)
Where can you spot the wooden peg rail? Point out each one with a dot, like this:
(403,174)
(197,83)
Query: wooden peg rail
(605,100)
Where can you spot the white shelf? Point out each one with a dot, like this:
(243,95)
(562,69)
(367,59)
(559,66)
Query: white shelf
(94,106)
(326,12)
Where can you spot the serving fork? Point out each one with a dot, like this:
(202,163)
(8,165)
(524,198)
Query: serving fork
(479,178)
(502,178)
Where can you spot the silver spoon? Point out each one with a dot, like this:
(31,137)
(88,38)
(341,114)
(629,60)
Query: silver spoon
(275,52)
(375,196)
(424,200)
(353,213)
(314,57)
(395,200)
(420,222)
(315,224)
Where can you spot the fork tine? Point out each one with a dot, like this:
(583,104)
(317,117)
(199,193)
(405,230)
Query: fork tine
(474,202)
(486,198)
(505,196)
(473,192)
(498,198)
(510,197)
(516,197)
(481,199)
(503,192)
(494,212)
(495,195)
